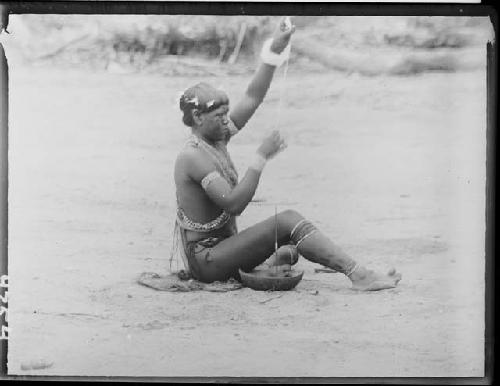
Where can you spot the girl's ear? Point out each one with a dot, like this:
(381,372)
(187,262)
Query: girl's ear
(196,116)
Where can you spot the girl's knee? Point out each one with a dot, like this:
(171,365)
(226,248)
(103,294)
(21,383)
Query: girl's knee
(289,218)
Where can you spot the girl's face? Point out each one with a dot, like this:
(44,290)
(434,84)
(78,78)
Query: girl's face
(214,124)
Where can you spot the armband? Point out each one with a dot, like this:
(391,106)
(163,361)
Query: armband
(272,58)
(209,178)
(258,163)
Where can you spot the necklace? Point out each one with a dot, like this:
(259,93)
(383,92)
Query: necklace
(220,156)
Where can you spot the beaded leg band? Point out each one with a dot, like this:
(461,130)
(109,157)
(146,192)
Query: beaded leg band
(301,231)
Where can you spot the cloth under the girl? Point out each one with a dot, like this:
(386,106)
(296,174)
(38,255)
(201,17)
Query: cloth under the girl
(174,283)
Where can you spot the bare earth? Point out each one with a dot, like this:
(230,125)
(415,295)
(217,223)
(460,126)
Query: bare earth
(392,168)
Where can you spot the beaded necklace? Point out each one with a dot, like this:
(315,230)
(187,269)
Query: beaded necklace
(220,156)
(227,169)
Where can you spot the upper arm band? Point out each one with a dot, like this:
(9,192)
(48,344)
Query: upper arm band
(209,178)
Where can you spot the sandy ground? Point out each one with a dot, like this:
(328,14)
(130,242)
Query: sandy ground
(392,168)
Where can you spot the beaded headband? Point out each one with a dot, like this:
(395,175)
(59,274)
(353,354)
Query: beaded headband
(193,102)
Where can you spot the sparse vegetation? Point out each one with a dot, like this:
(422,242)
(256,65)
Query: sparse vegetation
(150,42)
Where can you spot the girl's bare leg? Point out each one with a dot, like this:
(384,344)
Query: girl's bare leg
(247,249)
(322,250)
(254,245)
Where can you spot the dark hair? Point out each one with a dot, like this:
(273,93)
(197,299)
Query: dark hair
(201,97)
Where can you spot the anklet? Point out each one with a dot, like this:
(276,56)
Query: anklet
(351,271)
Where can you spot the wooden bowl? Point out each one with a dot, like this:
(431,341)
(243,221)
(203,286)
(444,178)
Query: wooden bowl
(270,279)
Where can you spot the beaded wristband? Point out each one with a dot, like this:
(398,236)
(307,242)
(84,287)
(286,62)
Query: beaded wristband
(258,163)
(272,58)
